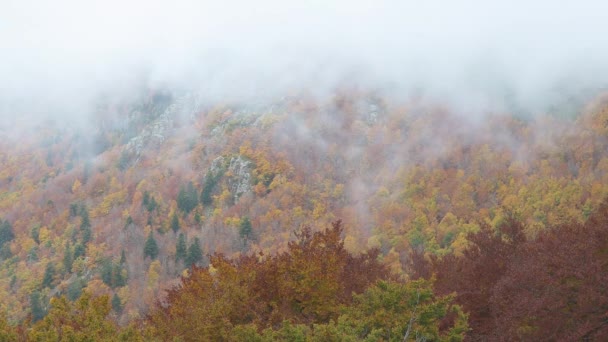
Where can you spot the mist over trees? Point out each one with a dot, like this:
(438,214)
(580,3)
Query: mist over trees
(314,171)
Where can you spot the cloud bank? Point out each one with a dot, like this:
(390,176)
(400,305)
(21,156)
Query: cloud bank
(59,56)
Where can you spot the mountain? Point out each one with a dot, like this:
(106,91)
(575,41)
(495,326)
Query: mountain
(124,204)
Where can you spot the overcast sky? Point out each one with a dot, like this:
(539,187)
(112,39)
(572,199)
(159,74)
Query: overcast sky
(56,56)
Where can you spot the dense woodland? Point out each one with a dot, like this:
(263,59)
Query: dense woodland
(355,217)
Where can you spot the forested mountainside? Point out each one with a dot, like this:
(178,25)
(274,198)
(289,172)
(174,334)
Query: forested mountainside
(119,211)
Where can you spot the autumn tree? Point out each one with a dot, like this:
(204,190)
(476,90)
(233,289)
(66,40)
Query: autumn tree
(306,284)
(474,275)
(87,319)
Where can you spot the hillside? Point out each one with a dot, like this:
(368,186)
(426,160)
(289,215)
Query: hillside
(121,207)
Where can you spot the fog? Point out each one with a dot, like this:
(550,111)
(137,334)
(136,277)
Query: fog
(58,57)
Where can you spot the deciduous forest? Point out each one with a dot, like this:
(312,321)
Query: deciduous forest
(352,217)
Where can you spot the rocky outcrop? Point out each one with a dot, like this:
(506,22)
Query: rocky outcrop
(239,181)
(237,171)
(157,131)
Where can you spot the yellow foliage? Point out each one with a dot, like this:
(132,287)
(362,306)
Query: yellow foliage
(154,273)
(232,221)
(76,186)
(44,235)
(111,200)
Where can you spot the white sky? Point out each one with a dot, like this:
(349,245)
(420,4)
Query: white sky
(55,56)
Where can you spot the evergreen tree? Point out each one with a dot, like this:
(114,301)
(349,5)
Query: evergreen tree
(37,307)
(245,228)
(146,199)
(151,204)
(148,202)
(151,247)
(106,273)
(195,254)
(86,235)
(175,223)
(68,259)
(49,275)
(207,192)
(75,289)
(73,209)
(123,258)
(5,252)
(6,232)
(79,251)
(85,221)
(197,217)
(118,277)
(116,303)
(35,234)
(187,198)
(181,249)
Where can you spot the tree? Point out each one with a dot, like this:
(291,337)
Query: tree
(181,248)
(187,198)
(305,285)
(149,202)
(85,221)
(6,232)
(397,312)
(151,247)
(75,289)
(116,303)
(37,307)
(207,192)
(123,258)
(175,223)
(68,259)
(119,277)
(79,251)
(195,254)
(245,228)
(49,275)
(106,272)
(86,319)
(474,275)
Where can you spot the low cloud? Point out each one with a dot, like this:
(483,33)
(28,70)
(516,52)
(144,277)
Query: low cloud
(59,57)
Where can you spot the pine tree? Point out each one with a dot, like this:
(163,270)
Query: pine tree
(195,254)
(79,251)
(68,259)
(85,221)
(123,258)
(181,249)
(86,235)
(49,275)
(6,232)
(116,303)
(106,272)
(187,198)
(175,223)
(208,186)
(151,247)
(37,307)
(245,228)
(75,289)
(118,277)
